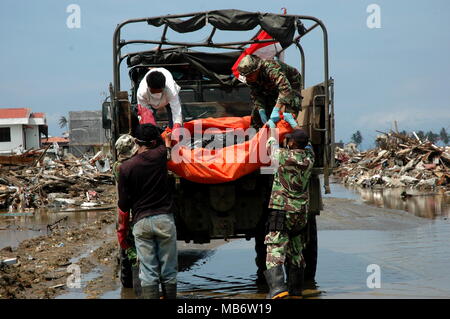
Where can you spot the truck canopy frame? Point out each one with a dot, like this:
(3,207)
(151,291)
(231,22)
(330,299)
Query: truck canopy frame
(283,28)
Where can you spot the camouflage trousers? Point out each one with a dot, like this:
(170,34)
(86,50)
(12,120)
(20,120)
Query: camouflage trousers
(287,245)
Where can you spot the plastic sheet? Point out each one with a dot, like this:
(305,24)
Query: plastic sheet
(213,165)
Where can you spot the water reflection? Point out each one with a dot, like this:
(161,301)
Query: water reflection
(413,263)
(427,204)
(14,229)
(420,204)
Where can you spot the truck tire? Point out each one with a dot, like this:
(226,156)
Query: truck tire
(126,270)
(310,252)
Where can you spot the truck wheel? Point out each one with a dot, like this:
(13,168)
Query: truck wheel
(126,270)
(310,252)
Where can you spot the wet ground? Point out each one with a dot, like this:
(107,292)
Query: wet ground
(16,227)
(406,239)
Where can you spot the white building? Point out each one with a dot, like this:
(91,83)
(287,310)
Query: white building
(21,130)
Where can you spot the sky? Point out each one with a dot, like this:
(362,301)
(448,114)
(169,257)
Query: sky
(398,71)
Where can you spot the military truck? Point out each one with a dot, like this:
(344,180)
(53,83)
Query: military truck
(236,209)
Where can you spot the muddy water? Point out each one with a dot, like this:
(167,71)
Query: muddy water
(428,204)
(15,228)
(412,260)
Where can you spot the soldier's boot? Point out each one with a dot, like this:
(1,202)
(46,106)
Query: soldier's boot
(275,281)
(150,292)
(169,291)
(295,280)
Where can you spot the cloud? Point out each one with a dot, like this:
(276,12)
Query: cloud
(408,119)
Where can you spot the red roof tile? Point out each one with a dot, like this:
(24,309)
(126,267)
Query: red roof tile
(38,115)
(15,113)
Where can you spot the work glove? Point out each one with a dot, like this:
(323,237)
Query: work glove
(271,124)
(275,115)
(123,221)
(176,135)
(290,119)
(263,115)
(145,115)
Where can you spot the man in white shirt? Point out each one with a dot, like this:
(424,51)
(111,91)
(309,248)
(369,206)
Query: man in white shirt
(156,90)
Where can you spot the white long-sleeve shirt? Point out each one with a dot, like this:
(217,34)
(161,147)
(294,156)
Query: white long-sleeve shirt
(169,95)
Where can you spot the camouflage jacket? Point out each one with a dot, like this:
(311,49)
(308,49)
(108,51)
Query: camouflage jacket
(290,184)
(278,80)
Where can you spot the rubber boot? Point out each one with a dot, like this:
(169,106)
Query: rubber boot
(275,281)
(150,292)
(295,280)
(169,291)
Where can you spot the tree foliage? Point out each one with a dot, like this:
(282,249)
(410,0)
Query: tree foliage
(443,136)
(62,122)
(357,138)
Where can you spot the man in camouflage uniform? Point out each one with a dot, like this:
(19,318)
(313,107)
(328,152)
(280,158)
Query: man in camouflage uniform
(126,148)
(288,216)
(275,87)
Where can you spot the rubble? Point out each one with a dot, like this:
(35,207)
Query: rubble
(42,263)
(398,161)
(67,182)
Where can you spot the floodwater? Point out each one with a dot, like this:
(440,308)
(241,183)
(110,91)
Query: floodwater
(411,262)
(423,204)
(16,227)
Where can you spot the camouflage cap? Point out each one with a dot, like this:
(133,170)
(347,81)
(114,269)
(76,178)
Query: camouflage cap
(126,146)
(249,63)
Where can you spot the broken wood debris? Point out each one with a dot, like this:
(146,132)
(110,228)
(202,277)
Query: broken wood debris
(51,226)
(398,160)
(68,182)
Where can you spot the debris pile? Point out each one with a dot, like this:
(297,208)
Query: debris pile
(39,267)
(69,181)
(398,161)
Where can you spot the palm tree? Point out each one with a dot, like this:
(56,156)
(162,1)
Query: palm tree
(63,122)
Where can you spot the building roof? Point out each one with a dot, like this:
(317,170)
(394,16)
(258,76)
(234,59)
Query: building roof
(23,115)
(38,115)
(15,113)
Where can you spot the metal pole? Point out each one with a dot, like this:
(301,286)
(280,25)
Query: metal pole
(302,55)
(326,176)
